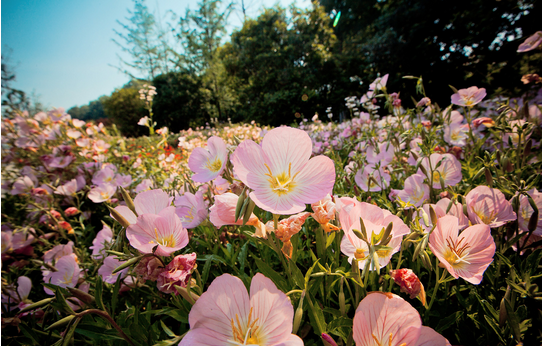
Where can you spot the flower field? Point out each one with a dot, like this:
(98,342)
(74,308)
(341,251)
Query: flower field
(399,226)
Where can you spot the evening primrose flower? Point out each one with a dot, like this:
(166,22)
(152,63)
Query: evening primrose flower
(415,191)
(227,315)
(208,163)
(446,167)
(164,231)
(468,97)
(191,209)
(281,173)
(387,319)
(465,255)
(489,206)
(67,273)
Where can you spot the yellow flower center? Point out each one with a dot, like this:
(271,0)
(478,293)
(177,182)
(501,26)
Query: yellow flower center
(456,252)
(215,165)
(487,219)
(359,254)
(283,182)
(437,175)
(379,342)
(168,240)
(249,335)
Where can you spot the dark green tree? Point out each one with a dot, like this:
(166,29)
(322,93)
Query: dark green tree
(179,102)
(282,65)
(200,34)
(124,108)
(462,43)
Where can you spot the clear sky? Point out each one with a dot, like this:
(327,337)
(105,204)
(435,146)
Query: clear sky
(62,50)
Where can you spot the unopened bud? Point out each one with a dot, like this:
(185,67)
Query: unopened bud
(128,200)
(328,340)
(298,314)
(118,216)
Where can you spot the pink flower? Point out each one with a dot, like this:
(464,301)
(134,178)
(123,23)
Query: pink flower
(280,172)
(409,283)
(387,319)
(468,97)
(99,243)
(71,211)
(456,210)
(415,191)
(191,209)
(531,42)
(375,220)
(465,255)
(10,296)
(146,202)
(67,273)
(165,231)
(489,206)
(444,166)
(371,179)
(227,315)
(379,83)
(177,272)
(106,270)
(102,193)
(223,211)
(208,163)
(68,189)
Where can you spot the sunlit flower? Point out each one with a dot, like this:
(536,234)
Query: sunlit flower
(281,173)
(102,193)
(146,202)
(191,209)
(531,42)
(208,163)
(223,213)
(415,191)
(164,231)
(445,167)
(469,97)
(227,315)
(387,319)
(465,255)
(489,206)
(371,179)
(379,83)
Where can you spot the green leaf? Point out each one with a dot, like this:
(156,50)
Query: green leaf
(98,293)
(316,315)
(513,321)
(296,273)
(273,275)
(243,257)
(69,334)
(493,324)
(445,323)
(309,272)
(114,297)
(167,330)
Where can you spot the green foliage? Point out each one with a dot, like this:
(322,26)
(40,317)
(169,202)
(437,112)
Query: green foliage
(179,101)
(282,65)
(125,109)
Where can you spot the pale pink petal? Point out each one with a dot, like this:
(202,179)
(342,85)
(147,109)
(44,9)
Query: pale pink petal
(285,146)
(225,298)
(380,315)
(272,308)
(429,337)
(151,202)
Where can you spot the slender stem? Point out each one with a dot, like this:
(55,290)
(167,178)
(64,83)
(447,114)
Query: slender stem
(439,281)
(106,316)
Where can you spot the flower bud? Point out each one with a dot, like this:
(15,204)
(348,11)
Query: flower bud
(328,340)
(409,283)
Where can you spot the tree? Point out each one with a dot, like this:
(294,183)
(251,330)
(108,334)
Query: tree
(145,42)
(461,43)
(125,109)
(201,34)
(282,65)
(179,101)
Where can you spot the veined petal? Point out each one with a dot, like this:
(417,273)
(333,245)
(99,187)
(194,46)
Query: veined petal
(315,180)
(272,309)
(248,159)
(151,202)
(383,315)
(224,301)
(285,146)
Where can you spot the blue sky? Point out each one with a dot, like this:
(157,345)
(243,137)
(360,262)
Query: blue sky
(62,50)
